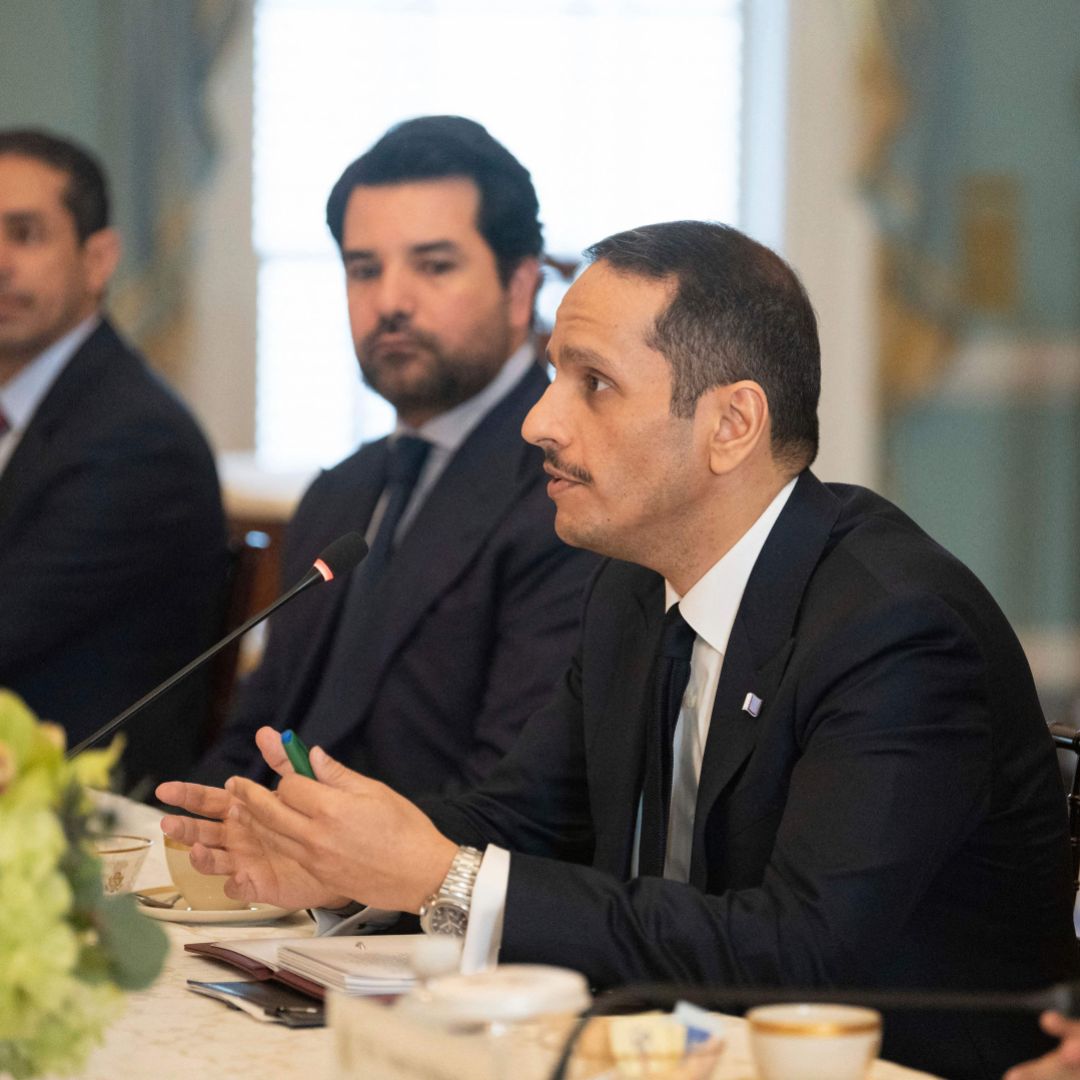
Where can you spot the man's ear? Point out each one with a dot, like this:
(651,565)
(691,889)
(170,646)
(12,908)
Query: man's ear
(101,256)
(739,423)
(522,288)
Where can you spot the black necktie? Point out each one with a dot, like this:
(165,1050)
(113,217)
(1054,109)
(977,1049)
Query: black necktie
(5,427)
(406,457)
(672,675)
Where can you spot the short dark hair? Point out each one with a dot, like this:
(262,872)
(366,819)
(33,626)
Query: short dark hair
(739,312)
(86,194)
(438,147)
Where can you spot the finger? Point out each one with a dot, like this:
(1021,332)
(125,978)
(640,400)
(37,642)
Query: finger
(269,743)
(241,886)
(197,798)
(1053,1023)
(273,824)
(212,860)
(317,800)
(187,830)
(332,773)
(269,842)
(1044,1068)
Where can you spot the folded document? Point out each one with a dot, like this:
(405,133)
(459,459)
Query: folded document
(354,965)
(383,964)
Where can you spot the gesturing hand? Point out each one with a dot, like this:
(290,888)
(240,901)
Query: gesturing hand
(224,846)
(352,835)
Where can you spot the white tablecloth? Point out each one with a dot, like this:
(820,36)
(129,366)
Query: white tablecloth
(169,1033)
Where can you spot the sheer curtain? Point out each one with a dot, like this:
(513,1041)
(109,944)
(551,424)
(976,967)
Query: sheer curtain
(625,111)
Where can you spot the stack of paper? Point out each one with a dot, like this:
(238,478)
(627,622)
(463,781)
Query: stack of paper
(354,965)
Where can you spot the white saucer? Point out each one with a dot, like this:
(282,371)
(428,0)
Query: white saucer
(254,913)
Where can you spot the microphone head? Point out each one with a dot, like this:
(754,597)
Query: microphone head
(341,556)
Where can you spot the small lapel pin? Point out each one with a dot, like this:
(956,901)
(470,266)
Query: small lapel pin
(752,704)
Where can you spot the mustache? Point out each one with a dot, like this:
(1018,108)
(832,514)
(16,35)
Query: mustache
(575,472)
(398,325)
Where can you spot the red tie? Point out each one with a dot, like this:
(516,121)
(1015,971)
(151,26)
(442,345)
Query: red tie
(5,427)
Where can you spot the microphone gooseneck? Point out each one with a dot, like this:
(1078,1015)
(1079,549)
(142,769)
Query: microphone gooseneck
(335,559)
(1062,997)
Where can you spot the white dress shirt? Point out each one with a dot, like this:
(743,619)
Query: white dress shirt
(709,607)
(21,396)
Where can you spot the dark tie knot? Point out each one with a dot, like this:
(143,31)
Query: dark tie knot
(677,640)
(407,456)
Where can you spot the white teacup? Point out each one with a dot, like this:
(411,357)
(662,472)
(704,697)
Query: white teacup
(814,1042)
(201,892)
(121,860)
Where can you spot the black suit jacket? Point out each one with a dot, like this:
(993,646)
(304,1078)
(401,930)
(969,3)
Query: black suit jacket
(893,817)
(468,633)
(112,555)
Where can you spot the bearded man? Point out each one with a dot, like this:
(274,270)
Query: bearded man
(420,668)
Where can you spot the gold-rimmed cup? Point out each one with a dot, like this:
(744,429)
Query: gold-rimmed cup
(814,1041)
(200,892)
(121,858)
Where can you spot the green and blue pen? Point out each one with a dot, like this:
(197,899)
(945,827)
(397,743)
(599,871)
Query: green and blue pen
(297,753)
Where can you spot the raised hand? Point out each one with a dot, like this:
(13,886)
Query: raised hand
(223,845)
(352,835)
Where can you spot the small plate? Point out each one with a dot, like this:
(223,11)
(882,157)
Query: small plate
(254,913)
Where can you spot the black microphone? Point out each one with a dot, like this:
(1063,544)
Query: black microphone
(336,559)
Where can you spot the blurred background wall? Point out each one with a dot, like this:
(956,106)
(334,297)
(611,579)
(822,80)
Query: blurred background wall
(917,161)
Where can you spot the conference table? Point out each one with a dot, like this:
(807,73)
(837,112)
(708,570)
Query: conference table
(169,1033)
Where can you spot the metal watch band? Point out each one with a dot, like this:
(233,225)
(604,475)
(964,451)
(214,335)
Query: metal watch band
(456,889)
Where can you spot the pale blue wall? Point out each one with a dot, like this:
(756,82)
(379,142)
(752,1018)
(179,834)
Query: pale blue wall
(996,475)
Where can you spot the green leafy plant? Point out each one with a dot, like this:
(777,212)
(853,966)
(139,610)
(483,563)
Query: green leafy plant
(67,951)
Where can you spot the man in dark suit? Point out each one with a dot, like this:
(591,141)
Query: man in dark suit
(112,538)
(799,744)
(421,666)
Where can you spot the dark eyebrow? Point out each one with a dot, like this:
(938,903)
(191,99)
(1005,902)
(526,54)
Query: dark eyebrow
(354,255)
(23,217)
(578,356)
(436,247)
(433,247)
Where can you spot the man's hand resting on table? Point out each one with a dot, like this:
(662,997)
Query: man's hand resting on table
(312,843)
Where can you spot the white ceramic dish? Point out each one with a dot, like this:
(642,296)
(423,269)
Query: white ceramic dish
(254,913)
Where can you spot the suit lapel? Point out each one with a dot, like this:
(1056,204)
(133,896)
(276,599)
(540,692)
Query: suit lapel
(615,744)
(480,485)
(21,479)
(41,445)
(351,513)
(760,644)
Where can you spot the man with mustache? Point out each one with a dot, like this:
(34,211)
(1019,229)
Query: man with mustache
(422,665)
(112,537)
(798,744)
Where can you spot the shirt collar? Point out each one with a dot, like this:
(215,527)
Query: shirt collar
(450,429)
(711,603)
(20,397)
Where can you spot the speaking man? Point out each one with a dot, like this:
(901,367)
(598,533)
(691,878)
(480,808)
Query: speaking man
(421,667)
(798,744)
(112,539)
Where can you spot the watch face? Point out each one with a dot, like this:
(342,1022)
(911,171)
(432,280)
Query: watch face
(446,917)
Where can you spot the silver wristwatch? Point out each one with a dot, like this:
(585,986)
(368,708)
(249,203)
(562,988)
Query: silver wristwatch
(447,911)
